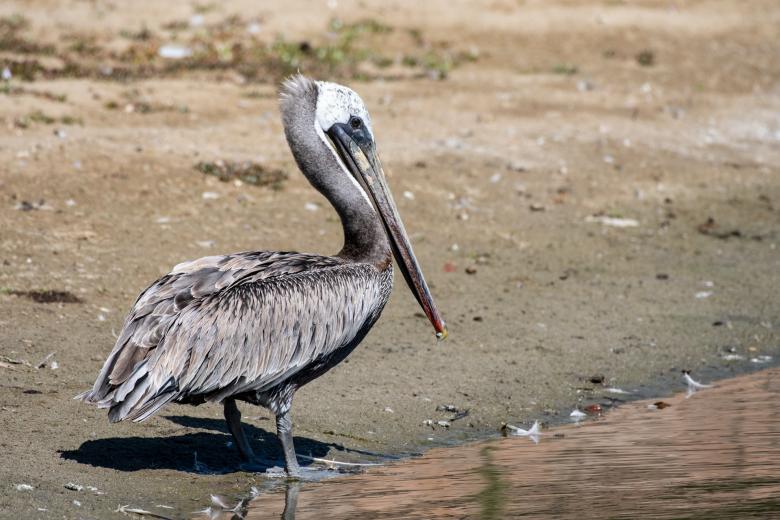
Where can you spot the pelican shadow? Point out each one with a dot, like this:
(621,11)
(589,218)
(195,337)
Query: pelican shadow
(198,452)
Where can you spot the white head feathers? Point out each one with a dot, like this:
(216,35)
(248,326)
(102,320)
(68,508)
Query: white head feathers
(337,103)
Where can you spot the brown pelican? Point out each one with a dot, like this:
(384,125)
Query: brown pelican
(256,326)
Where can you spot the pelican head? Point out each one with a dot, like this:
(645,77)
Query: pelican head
(343,126)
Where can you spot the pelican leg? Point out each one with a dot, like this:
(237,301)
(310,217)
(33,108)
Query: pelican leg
(284,432)
(233,418)
(291,500)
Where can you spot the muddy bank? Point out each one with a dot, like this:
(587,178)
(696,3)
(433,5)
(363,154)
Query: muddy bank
(595,194)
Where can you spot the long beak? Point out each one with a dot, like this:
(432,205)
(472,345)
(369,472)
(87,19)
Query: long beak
(358,152)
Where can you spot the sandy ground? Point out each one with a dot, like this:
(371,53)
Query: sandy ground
(565,117)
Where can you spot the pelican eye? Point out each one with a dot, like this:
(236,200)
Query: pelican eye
(355,122)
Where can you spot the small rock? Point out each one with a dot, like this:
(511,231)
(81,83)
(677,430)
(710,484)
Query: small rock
(598,379)
(584,85)
(516,167)
(471,270)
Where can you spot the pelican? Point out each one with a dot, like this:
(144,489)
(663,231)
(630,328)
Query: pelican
(256,326)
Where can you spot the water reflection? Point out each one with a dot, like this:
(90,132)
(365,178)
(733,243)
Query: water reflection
(714,455)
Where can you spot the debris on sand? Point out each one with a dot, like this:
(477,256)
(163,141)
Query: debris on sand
(24,487)
(220,502)
(40,205)
(612,221)
(433,424)
(136,511)
(594,409)
(331,464)
(646,58)
(247,171)
(658,405)
(693,386)
(73,487)
(451,408)
(711,228)
(577,415)
(48,296)
(761,359)
(14,361)
(532,433)
(45,361)
(174,52)
(613,390)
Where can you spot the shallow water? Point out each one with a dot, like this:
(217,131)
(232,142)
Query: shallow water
(715,454)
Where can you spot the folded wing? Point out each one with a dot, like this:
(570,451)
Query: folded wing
(219,326)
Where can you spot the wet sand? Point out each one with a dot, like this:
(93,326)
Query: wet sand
(519,176)
(713,455)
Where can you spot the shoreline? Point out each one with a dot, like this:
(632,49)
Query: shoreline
(448,481)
